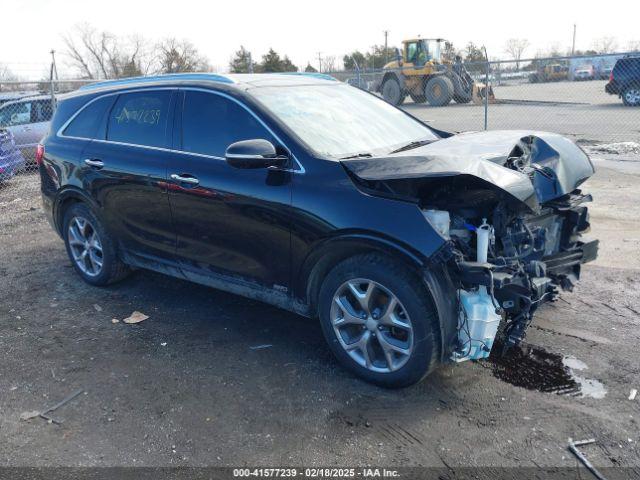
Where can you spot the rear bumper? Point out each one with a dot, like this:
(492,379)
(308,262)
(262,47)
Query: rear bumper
(611,89)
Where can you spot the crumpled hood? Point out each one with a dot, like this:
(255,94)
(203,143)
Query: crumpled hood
(560,166)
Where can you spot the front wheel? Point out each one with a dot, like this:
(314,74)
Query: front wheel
(379,321)
(438,91)
(631,96)
(91,249)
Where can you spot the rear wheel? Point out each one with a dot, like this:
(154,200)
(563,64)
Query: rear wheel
(392,92)
(438,91)
(379,321)
(631,96)
(90,248)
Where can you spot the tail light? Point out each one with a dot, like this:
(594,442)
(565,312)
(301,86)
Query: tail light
(39,154)
(611,76)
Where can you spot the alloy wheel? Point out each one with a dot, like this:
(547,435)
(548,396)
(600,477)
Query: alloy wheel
(372,325)
(632,96)
(85,246)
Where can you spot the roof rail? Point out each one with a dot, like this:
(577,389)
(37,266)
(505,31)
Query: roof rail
(212,77)
(321,76)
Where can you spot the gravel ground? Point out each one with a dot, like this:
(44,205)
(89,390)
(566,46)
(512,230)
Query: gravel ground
(185,388)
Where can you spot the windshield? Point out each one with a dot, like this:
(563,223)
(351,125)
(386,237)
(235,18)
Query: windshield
(339,121)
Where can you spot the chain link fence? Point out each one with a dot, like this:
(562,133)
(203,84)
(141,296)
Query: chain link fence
(594,100)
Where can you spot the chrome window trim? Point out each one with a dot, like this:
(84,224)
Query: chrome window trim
(60,131)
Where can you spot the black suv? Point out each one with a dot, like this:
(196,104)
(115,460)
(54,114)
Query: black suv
(624,80)
(409,244)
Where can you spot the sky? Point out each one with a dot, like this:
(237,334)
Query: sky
(301,28)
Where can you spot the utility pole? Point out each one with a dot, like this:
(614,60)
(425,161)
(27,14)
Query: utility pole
(320,62)
(573,45)
(250,66)
(386,34)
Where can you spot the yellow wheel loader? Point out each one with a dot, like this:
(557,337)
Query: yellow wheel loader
(420,72)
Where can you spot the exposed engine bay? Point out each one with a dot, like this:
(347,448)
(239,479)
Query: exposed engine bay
(511,217)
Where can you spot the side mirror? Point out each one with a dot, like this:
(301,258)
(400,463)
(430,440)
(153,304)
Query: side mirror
(256,153)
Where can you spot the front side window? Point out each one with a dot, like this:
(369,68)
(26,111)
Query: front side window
(337,120)
(13,114)
(140,118)
(210,123)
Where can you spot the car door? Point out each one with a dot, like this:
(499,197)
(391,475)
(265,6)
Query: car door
(125,171)
(16,118)
(230,222)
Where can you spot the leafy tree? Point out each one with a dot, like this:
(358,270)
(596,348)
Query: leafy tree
(271,62)
(241,61)
(354,58)
(474,58)
(379,56)
(309,68)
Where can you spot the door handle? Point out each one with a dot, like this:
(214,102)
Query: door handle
(94,163)
(185,179)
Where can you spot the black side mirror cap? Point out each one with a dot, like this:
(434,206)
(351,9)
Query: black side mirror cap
(257,153)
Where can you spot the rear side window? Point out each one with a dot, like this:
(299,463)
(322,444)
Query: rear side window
(140,118)
(90,122)
(210,123)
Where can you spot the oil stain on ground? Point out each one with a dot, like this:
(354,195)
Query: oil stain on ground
(533,368)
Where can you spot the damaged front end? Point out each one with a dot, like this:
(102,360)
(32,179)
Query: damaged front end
(512,218)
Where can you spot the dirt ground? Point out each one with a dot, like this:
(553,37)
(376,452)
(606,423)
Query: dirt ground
(186,388)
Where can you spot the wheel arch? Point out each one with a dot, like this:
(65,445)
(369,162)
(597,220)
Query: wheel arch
(64,199)
(332,251)
(434,277)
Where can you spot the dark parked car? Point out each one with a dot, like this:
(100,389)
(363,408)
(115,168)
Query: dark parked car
(624,80)
(409,244)
(11,159)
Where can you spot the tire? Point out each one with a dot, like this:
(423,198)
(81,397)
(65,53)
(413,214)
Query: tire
(391,92)
(414,308)
(631,96)
(438,91)
(418,98)
(99,245)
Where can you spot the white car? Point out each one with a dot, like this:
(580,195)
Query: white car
(28,120)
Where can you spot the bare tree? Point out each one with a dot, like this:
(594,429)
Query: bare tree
(633,46)
(329,63)
(100,54)
(515,47)
(180,56)
(6,75)
(605,45)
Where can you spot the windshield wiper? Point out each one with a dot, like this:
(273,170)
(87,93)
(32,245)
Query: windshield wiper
(411,146)
(357,155)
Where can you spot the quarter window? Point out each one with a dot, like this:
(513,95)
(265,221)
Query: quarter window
(90,122)
(210,123)
(140,118)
